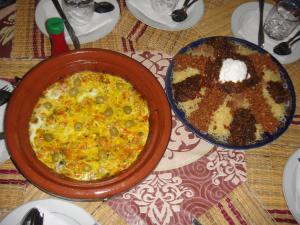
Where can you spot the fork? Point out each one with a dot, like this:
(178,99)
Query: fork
(4,95)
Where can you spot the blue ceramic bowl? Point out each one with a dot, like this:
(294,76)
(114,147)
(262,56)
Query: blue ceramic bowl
(181,115)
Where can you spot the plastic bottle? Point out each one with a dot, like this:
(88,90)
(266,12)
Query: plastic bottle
(55,28)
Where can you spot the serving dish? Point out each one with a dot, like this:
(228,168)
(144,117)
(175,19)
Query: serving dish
(267,138)
(27,93)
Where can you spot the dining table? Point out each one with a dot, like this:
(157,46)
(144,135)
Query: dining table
(194,179)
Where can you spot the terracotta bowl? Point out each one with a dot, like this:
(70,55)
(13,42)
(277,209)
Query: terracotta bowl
(27,93)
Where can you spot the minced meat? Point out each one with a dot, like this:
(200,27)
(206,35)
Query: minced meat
(187,89)
(278,92)
(242,128)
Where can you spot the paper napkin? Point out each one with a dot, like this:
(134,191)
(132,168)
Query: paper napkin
(98,19)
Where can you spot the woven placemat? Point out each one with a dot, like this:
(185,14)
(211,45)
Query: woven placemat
(12,188)
(129,33)
(260,199)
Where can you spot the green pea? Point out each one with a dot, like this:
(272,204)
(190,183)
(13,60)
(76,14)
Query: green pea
(113,131)
(78,126)
(48,137)
(87,167)
(119,85)
(102,154)
(100,99)
(73,92)
(102,140)
(108,112)
(129,123)
(127,109)
(56,157)
(141,133)
(77,82)
(47,105)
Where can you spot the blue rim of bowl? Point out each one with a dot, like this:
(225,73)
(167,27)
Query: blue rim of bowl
(181,115)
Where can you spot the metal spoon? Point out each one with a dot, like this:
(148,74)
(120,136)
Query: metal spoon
(179,15)
(284,48)
(103,7)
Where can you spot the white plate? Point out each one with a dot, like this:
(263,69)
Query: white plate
(289,185)
(3,151)
(101,24)
(63,211)
(244,24)
(195,13)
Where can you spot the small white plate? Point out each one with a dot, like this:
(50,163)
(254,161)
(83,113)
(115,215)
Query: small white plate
(195,13)
(244,24)
(3,151)
(101,24)
(289,185)
(65,212)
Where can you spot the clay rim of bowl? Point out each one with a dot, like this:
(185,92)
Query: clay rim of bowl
(25,96)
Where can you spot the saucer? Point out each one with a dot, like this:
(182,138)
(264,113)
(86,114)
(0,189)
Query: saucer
(58,212)
(195,13)
(289,185)
(244,24)
(101,24)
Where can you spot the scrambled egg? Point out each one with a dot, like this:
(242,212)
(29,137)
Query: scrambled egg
(89,126)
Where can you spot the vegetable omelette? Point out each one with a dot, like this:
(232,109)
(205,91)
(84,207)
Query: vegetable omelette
(89,126)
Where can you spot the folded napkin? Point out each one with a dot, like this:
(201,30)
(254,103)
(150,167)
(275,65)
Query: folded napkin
(248,29)
(146,9)
(98,20)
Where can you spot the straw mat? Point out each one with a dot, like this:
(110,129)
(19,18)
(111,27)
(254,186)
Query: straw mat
(128,35)
(259,199)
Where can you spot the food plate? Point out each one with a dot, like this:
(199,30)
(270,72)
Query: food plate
(244,24)
(58,212)
(101,24)
(289,180)
(196,12)
(29,90)
(266,137)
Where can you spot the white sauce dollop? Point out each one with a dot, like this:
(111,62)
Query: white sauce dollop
(233,70)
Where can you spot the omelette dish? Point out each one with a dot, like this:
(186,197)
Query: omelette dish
(230,92)
(89,126)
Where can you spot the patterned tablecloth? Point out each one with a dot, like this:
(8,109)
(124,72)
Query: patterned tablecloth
(194,179)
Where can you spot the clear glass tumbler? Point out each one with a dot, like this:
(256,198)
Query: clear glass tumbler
(78,12)
(283,18)
(164,6)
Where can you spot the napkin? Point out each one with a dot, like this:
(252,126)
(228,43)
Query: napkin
(98,20)
(248,29)
(145,8)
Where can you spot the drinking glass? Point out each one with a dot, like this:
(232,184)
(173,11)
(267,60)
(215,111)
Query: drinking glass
(78,12)
(283,18)
(166,6)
